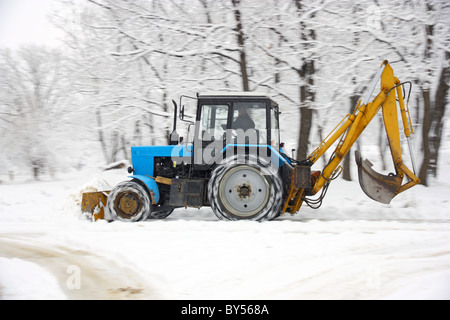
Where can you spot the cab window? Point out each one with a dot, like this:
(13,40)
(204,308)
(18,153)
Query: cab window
(213,122)
(249,120)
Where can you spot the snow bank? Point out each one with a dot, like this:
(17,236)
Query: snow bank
(102,181)
(24,280)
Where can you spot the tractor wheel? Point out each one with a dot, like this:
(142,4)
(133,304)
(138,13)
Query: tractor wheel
(129,201)
(245,191)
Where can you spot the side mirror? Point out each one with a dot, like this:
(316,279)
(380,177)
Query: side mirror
(182,113)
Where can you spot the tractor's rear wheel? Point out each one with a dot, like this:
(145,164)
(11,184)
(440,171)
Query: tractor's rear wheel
(129,201)
(249,191)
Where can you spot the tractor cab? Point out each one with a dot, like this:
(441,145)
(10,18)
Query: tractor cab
(226,121)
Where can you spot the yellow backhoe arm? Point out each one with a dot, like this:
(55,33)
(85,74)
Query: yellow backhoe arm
(379,187)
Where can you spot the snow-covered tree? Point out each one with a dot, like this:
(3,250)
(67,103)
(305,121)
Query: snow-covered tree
(315,58)
(31,103)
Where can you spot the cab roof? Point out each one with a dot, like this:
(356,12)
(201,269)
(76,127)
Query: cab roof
(236,95)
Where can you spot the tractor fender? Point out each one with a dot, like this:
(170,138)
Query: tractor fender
(151,186)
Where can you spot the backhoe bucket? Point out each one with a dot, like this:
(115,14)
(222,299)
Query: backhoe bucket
(379,187)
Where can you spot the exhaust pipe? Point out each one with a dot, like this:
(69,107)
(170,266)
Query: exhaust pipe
(174,136)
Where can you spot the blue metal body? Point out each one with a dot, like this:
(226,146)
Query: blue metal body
(275,157)
(143,158)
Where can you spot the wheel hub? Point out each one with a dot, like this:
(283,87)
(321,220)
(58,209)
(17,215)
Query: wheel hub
(129,204)
(244,191)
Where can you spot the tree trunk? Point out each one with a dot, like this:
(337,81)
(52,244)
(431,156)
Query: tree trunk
(241,44)
(305,130)
(346,175)
(307,95)
(437,121)
(423,173)
(382,144)
(433,111)
(427,118)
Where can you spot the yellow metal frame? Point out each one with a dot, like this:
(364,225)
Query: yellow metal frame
(351,127)
(295,196)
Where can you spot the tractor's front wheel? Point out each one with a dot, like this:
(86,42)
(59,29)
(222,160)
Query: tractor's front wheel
(250,191)
(129,201)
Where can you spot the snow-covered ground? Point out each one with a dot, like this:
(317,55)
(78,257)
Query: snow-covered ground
(350,248)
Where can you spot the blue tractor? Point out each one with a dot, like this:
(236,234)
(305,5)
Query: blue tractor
(234,164)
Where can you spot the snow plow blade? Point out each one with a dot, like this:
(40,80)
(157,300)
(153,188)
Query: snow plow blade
(379,187)
(94,203)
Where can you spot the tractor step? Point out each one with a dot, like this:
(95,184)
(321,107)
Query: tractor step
(187,193)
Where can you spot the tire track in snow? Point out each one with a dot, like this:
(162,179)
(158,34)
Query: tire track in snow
(99,278)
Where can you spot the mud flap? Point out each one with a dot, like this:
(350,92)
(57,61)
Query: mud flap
(379,187)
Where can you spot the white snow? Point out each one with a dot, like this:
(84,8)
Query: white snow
(350,248)
(24,280)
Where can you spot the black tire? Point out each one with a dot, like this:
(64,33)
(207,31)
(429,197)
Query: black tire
(129,201)
(249,190)
(160,214)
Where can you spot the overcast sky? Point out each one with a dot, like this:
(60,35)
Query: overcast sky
(25,21)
